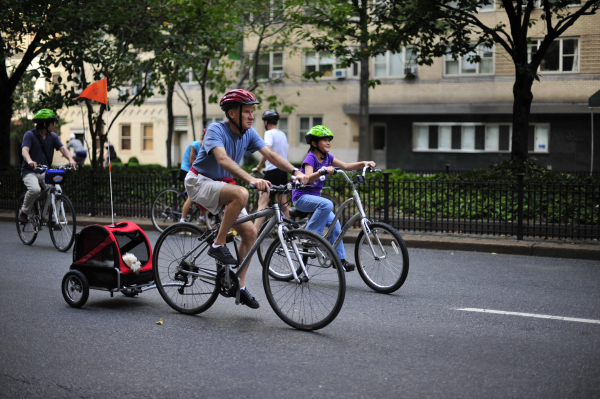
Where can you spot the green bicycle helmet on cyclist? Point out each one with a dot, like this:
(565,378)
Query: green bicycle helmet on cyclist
(44,114)
(43,117)
(317,133)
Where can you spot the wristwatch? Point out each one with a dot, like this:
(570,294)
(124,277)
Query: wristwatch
(295,170)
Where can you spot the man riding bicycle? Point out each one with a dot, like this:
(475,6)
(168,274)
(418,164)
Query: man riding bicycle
(38,148)
(223,147)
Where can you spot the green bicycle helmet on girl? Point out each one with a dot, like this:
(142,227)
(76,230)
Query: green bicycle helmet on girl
(44,114)
(317,133)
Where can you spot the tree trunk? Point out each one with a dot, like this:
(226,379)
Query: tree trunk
(364,138)
(5,118)
(521,112)
(170,122)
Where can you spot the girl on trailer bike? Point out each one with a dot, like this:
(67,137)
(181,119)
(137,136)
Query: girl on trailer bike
(38,148)
(319,162)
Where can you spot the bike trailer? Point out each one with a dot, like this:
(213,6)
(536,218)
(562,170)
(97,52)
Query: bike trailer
(98,254)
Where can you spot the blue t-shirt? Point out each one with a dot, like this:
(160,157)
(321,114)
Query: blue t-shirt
(36,152)
(218,134)
(185,163)
(316,186)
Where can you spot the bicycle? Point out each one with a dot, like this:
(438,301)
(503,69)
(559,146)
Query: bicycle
(380,252)
(56,212)
(167,208)
(304,283)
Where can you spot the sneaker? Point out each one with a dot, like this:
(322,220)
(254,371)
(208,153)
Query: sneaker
(54,226)
(310,243)
(22,217)
(347,265)
(223,255)
(247,299)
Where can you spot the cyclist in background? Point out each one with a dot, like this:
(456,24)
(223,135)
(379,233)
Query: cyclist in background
(38,148)
(223,147)
(78,149)
(319,162)
(189,157)
(276,140)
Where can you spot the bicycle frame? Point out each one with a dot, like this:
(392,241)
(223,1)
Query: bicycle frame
(359,216)
(272,221)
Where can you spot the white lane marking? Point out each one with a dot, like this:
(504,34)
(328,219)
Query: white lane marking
(539,316)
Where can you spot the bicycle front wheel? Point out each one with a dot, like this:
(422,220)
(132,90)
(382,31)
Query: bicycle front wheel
(63,232)
(183,272)
(316,300)
(27,232)
(384,267)
(166,208)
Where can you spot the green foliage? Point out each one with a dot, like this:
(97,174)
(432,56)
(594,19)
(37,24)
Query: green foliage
(133,161)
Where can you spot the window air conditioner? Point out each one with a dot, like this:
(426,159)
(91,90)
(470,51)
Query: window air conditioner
(412,69)
(339,73)
(276,75)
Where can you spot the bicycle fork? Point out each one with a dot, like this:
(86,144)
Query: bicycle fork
(283,240)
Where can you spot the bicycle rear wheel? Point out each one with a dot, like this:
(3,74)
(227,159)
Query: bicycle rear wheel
(28,232)
(318,298)
(63,234)
(166,208)
(385,271)
(183,272)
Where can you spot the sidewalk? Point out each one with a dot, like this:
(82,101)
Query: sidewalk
(573,249)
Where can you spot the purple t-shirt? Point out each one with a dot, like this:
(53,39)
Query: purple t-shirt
(316,186)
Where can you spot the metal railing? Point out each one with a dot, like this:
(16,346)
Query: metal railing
(515,208)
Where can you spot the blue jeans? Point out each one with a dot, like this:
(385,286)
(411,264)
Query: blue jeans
(322,216)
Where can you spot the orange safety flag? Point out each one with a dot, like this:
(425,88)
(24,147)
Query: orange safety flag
(97,91)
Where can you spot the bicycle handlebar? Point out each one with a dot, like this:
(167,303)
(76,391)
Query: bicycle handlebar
(46,167)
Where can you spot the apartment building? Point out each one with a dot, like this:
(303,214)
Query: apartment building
(454,112)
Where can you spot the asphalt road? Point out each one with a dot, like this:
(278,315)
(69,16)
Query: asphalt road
(416,343)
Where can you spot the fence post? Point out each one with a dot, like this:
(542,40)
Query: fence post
(447,168)
(174,174)
(386,197)
(520,177)
(91,196)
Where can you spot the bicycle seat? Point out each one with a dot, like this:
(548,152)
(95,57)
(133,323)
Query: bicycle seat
(295,213)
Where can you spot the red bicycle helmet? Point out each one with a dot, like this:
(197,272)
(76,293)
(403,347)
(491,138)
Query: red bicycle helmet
(237,97)
(234,98)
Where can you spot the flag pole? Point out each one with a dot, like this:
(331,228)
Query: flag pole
(112,212)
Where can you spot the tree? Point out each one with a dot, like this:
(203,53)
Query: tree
(31,30)
(270,26)
(455,27)
(347,29)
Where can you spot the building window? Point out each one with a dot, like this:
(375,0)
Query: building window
(378,133)
(304,125)
(464,66)
(562,55)
(269,63)
(474,137)
(283,124)
(324,62)
(395,64)
(148,138)
(188,76)
(491,6)
(126,137)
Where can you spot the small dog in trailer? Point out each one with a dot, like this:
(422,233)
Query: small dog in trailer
(132,262)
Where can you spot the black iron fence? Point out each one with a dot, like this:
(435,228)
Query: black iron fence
(521,209)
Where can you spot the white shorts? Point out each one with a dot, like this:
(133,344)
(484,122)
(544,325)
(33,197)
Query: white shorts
(206,192)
